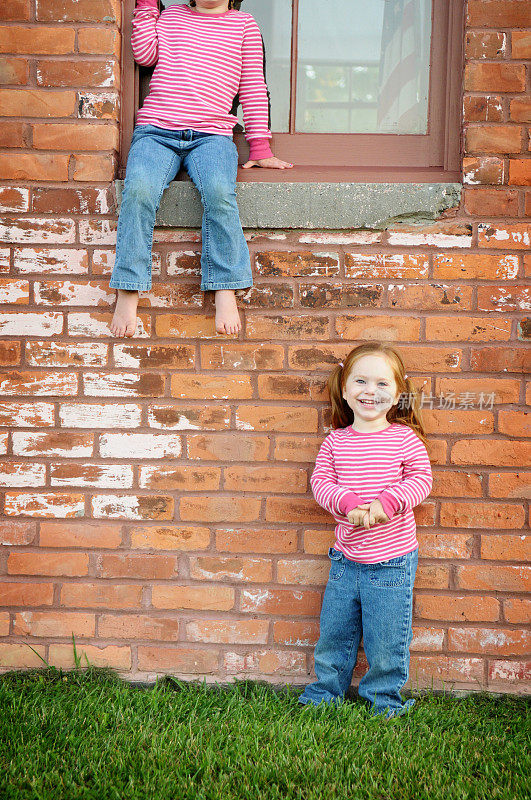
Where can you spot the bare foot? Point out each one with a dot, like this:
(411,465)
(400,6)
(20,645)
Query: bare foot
(124,320)
(227,316)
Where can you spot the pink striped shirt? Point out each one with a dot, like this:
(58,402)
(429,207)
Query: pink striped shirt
(202,62)
(353,468)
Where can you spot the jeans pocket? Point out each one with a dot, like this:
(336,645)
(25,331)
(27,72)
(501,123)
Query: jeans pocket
(337,564)
(388,573)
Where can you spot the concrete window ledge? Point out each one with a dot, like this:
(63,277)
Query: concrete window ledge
(314,205)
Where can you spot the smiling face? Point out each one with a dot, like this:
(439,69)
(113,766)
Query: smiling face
(370,391)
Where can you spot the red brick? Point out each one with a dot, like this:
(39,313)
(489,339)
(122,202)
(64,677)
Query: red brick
(36,39)
(54,624)
(27,594)
(477,391)
(98,105)
(378,327)
(189,326)
(15,10)
(281,602)
(86,73)
(521,44)
(498,13)
(470,329)
(265,662)
(286,327)
(9,354)
(482,44)
(432,576)
(515,674)
(510,484)
(457,608)
(14,70)
(82,534)
(13,134)
(231,355)
(520,172)
(295,632)
(438,671)
(340,295)
(494,139)
(113,657)
(495,77)
(256,541)
(200,598)
(42,563)
(276,418)
(227,447)
(180,477)
(508,237)
(456,484)
(83,136)
(386,265)
(318,542)
(132,507)
(44,505)
(36,103)
(265,479)
(431,297)
(500,359)
(99,40)
(488,640)
(445,545)
(267,295)
(482,515)
(170,537)
(144,565)
(219,509)
(301,510)
(520,109)
(225,631)
(487,202)
(306,572)
(94,167)
(482,108)
(231,568)
(17,533)
(198,387)
(506,547)
(297,264)
(34,166)
(490,452)
(297,448)
(483,169)
(79,11)
(101,594)
(177,660)
(138,626)
(513,423)
(491,578)
(517,610)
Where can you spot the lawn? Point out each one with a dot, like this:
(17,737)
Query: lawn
(88,734)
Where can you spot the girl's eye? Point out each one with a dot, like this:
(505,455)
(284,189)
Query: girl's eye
(360,380)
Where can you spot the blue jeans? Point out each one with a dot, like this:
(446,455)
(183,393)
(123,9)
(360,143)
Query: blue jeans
(154,160)
(375,600)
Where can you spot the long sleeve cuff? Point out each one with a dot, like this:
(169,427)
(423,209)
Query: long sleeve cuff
(258,149)
(146,4)
(349,501)
(389,503)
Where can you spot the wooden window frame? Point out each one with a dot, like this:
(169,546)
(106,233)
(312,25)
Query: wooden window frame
(323,157)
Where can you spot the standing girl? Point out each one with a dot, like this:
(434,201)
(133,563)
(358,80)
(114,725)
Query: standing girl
(205,54)
(371,471)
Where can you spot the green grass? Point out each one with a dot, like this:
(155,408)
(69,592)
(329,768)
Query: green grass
(88,734)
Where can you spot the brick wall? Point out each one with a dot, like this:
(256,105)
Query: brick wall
(155,491)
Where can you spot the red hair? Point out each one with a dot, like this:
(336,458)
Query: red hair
(405,412)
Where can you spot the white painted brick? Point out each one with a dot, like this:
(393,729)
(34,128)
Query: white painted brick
(103,262)
(177,265)
(22,474)
(97,231)
(404,239)
(92,415)
(3,443)
(36,229)
(140,445)
(26,443)
(50,260)
(362,237)
(44,505)
(110,506)
(14,198)
(67,293)
(125,384)
(101,476)
(39,384)
(4,259)
(13,291)
(22,323)
(63,354)
(27,415)
(82,323)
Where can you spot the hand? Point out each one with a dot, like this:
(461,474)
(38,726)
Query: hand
(269,163)
(368,514)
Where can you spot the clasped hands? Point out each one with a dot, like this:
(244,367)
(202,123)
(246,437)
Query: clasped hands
(367,514)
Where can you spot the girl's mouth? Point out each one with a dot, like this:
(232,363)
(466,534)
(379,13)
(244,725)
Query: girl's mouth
(367,402)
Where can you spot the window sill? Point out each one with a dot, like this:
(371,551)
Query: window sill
(335,205)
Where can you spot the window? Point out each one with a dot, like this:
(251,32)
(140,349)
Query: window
(357,89)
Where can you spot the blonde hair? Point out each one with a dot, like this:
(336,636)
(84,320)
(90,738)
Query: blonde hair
(407,413)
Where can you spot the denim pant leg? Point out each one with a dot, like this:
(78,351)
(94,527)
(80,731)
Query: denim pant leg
(151,165)
(340,633)
(212,163)
(387,605)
